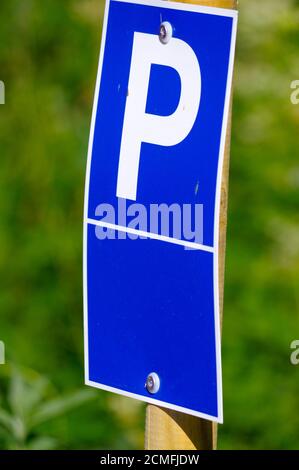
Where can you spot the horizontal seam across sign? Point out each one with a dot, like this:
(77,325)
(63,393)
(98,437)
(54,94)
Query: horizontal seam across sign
(154,236)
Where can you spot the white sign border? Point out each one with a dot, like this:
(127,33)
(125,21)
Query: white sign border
(197,9)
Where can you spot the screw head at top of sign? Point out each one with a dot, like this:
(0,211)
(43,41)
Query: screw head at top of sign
(152,383)
(165,33)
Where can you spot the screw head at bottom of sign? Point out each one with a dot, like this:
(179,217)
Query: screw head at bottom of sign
(165,33)
(152,383)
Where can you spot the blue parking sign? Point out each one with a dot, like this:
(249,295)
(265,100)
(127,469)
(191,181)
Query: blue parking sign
(152,204)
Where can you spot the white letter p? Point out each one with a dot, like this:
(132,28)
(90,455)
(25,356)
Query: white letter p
(140,126)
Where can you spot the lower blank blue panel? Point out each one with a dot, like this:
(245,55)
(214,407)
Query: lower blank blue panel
(151,309)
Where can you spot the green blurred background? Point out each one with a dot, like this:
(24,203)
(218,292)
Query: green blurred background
(48,61)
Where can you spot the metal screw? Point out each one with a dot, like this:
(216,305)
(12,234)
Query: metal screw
(165,33)
(152,383)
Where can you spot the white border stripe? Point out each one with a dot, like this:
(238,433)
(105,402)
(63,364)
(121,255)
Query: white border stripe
(217,216)
(86,194)
(154,236)
(184,6)
(153,401)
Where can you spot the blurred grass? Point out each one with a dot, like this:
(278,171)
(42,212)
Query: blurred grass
(48,57)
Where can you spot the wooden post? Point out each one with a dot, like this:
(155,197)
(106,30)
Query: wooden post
(170,430)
